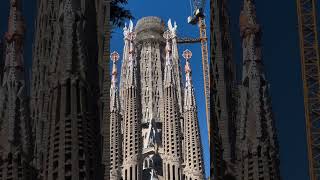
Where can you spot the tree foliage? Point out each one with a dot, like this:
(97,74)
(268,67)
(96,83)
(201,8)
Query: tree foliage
(119,14)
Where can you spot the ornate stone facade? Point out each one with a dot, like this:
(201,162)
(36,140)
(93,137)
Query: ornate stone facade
(152,108)
(103,36)
(15,122)
(66,91)
(223,86)
(257,147)
(242,111)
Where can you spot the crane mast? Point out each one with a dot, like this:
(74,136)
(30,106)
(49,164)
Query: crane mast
(310,64)
(205,68)
(199,18)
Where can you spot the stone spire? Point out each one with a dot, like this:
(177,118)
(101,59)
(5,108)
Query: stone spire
(132,150)
(224,93)
(256,138)
(71,94)
(250,33)
(176,62)
(126,32)
(15,131)
(15,37)
(193,158)
(171,123)
(115,125)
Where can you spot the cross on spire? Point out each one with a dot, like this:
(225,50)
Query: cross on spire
(114,58)
(187,54)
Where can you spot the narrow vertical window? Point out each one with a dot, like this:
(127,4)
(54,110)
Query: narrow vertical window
(136,172)
(168,172)
(78,97)
(173,173)
(68,98)
(130,173)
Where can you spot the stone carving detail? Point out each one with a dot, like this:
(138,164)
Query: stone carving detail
(65,91)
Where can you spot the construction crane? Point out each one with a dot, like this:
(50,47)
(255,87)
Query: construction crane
(310,64)
(198,18)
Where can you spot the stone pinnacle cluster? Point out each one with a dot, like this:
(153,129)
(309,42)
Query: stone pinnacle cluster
(246,144)
(15,122)
(257,148)
(159,126)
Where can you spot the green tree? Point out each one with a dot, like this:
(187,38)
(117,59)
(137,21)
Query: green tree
(119,14)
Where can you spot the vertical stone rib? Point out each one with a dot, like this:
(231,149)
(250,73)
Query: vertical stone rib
(71,123)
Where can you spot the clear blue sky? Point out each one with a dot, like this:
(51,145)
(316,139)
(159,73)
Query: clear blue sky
(177,10)
(281,57)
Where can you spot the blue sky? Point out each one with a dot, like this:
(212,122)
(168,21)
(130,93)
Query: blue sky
(177,10)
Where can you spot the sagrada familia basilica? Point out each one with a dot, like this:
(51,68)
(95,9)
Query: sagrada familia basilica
(69,121)
(154,126)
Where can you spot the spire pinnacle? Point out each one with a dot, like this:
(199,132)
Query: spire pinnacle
(167,36)
(187,54)
(16,25)
(131,76)
(248,24)
(114,104)
(172,29)
(114,58)
(169,76)
(127,31)
(189,101)
(249,7)
(131,37)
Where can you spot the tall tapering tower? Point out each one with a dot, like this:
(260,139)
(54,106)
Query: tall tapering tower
(15,132)
(224,80)
(66,115)
(257,148)
(223,92)
(132,139)
(103,36)
(193,159)
(172,165)
(45,29)
(115,125)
